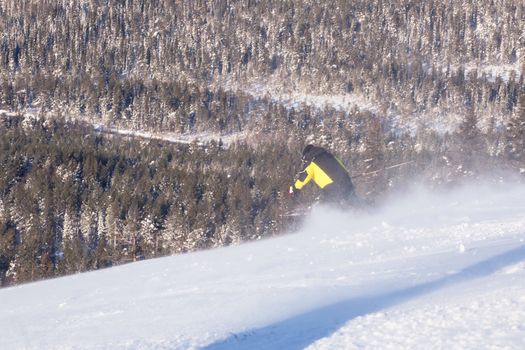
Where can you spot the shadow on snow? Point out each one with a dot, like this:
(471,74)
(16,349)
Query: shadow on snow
(302,330)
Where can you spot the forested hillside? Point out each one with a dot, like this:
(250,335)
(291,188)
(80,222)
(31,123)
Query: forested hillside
(74,200)
(439,84)
(151,64)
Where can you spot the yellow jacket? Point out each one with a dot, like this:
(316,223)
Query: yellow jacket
(314,172)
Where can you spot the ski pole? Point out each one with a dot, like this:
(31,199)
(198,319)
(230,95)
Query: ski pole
(379,170)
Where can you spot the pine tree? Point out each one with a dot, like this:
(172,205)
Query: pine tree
(515,134)
(103,254)
(72,247)
(8,242)
(132,230)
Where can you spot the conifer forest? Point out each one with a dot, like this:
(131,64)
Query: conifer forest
(89,89)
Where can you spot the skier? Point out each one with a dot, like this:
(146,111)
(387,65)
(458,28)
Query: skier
(329,174)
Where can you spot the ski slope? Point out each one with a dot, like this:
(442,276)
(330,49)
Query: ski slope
(427,271)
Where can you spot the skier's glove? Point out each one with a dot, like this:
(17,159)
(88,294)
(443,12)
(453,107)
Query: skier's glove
(294,192)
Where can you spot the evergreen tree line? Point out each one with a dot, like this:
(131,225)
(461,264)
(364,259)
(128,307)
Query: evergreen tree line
(163,65)
(73,200)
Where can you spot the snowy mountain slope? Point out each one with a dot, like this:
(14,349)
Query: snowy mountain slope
(200,138)
(427,271)
(171,137)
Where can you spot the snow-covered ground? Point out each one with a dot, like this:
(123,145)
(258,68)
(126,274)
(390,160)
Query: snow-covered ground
(172,137)
(200,138)
(428,271)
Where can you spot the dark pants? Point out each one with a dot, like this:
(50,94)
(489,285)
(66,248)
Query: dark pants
(339,196)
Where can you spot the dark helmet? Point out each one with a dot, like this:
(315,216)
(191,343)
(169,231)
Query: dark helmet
(309,153)
(307,150)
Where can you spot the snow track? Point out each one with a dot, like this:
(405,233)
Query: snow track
(428,271)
